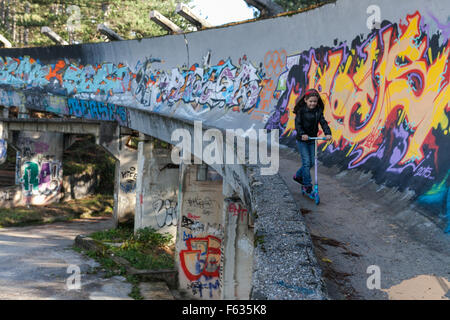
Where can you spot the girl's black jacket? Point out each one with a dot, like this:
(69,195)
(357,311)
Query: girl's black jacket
(307,122)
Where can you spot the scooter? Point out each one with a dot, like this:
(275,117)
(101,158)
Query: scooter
(314,195)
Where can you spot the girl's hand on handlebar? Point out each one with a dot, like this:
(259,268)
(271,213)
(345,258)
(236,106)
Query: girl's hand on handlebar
(329,137)
(305,137)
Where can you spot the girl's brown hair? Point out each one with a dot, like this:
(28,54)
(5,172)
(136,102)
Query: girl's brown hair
(309,93)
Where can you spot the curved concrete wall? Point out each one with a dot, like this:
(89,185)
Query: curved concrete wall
(386,94)
(386,91)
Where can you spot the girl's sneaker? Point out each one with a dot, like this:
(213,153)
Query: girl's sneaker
(307,189)
(298,179)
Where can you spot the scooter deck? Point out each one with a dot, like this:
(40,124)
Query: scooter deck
(314,195)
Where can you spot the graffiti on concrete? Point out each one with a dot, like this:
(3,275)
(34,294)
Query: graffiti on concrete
(97,110)
(201,258)
(224,85)
(393,79)
(237,210)
(128,180)
(386,100)
(41,178)
(165,212)
(439,196)
(194,226)
(3,149)
(6,195)
(103,79)
(200,264)
(274,64)
(32,147)
(197,287)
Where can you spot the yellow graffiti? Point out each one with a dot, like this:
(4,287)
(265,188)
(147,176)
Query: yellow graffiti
(393,81)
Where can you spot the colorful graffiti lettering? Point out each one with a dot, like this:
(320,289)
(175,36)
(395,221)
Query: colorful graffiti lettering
(23,72)
(394,77)
(201,257)
(219,86)
(43,179)
(105,79)
(274,64)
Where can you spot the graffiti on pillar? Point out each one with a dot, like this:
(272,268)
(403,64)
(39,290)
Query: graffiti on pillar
(128,180)
(31,147)
(200,288)
(200,264)
(41,178)
(6,195)
(30,176)
(194,226)
(165,212)
(3,149)
(205,205)
(237,210)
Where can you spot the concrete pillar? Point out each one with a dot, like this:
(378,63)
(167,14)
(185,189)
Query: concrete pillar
(157,187)
(200,232)
(238,245)
(125,182)
(39,166)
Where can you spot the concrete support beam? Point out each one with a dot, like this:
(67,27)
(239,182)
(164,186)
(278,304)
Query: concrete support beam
(72,126)
(238,245)
(53,36)
(5,42)
(112,36)
(125,182)
(267,8)
(200,226)
(164,22)
(157,187)
(39,166)
(190,16)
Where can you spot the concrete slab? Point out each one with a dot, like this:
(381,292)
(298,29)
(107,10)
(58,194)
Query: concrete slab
(155,291)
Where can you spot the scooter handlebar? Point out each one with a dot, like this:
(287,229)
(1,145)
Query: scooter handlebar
(317,138)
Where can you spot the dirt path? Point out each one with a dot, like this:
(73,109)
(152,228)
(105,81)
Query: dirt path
(34,263)
(358,224)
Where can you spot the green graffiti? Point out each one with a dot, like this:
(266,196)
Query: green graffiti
(30,177)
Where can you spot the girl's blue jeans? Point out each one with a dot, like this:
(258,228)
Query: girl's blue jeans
(306,150)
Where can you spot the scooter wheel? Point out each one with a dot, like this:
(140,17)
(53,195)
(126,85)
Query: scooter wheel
(317,198)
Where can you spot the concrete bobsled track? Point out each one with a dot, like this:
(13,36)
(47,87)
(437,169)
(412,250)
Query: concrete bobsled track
(381,67)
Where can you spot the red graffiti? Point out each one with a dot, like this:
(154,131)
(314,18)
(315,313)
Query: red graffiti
(202,257)
(191,216)
(237,211)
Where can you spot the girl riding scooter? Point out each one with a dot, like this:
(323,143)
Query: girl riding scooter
(308,115)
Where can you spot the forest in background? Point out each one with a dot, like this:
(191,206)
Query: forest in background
(76,20)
